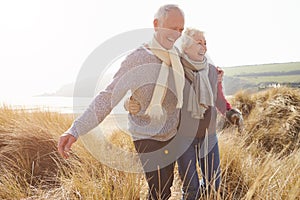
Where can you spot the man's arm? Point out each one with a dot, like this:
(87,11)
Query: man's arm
(233,115)
(99,108)
(221,104)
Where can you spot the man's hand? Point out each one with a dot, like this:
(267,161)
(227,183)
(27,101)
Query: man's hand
(235,117)
(220,74)
(64,144)
(132,106)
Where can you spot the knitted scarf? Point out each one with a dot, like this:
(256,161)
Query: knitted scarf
(170,62)
(201,95)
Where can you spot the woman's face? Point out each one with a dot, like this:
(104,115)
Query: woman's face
(198,48)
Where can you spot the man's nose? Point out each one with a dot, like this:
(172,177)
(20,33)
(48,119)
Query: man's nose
(179,30)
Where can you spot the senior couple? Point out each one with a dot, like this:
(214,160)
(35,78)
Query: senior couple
(172,108)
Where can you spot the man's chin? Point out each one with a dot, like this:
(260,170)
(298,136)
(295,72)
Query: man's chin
(169,45)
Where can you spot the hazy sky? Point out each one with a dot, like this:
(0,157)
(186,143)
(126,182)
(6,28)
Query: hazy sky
(44,43)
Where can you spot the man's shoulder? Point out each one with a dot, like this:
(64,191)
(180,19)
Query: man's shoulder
(141,50)
(141,55)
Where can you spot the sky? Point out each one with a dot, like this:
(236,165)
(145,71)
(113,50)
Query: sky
(43,44)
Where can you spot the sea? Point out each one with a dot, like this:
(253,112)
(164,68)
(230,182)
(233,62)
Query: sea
(71,105)
(117,119)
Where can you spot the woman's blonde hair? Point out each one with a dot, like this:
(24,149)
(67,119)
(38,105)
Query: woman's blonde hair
(187,37)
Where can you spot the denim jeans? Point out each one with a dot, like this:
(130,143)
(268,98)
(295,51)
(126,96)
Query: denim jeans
(206,152)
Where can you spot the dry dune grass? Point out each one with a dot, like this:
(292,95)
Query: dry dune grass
(273,120)
(261,163)
(122,140)
(265,158)
(28,150)
(248,176)
(32,169)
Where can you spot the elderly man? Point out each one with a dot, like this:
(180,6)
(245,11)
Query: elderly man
(154,75)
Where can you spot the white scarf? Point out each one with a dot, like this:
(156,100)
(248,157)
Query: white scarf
(170,61)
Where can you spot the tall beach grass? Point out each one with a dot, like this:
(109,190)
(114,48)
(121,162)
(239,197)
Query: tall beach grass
(263,162)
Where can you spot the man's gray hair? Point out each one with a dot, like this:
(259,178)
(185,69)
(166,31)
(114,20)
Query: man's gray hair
(163,11)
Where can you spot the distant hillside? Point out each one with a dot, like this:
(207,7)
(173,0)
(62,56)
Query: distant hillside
(64,91)
(249,77)
(67,90)
(255,77)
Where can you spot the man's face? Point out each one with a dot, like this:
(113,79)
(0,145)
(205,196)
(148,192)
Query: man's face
(198,48)
(169,29)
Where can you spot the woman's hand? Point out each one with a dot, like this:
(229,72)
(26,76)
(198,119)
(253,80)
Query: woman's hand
(220,74)
(132,106)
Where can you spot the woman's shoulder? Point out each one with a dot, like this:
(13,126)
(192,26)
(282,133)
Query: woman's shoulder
(212,68)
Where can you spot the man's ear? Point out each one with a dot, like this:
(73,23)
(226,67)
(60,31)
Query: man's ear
(155,24)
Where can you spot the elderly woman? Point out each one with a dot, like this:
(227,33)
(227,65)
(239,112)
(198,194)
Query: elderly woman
(197,128)
(203,95)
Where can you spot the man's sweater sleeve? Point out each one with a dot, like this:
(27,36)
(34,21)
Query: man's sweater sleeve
(102,104)
(222,104)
